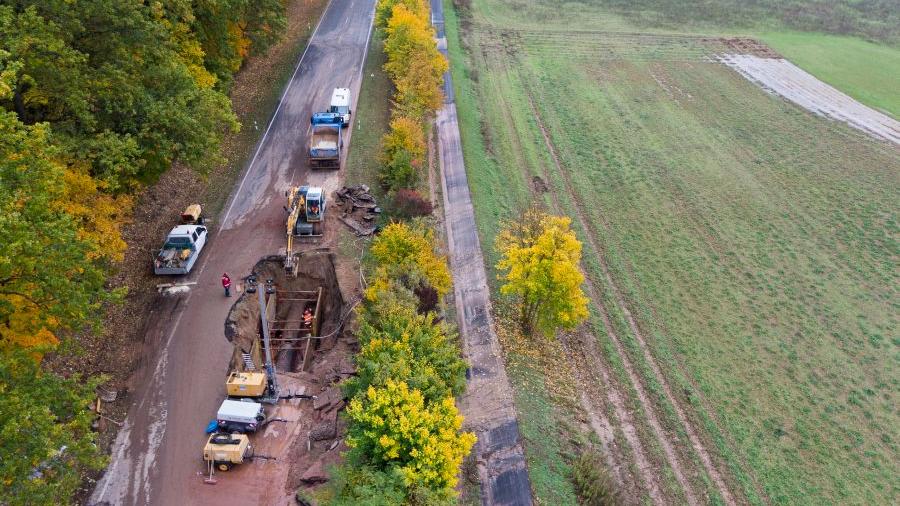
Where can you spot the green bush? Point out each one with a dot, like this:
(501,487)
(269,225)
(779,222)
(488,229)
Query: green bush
(403,345)
(593,484)
(362,485)
(399,171)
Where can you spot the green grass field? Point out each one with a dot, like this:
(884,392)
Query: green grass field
(755,244)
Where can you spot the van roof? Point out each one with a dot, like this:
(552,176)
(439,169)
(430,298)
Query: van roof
(243,409)
(340,97)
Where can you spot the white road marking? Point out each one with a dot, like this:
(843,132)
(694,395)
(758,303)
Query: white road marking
(262,141)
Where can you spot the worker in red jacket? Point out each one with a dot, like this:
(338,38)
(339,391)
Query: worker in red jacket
(226,284)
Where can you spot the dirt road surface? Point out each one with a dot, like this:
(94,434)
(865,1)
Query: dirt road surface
(783,78)
(179,384)
(488,401)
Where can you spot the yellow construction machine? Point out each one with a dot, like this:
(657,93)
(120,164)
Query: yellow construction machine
(246,384)
(223,451)
(306,216)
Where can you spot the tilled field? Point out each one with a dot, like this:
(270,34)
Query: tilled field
(738,255)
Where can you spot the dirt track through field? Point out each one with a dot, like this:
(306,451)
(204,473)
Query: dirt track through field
(783,78)
(599,45)
(644,398)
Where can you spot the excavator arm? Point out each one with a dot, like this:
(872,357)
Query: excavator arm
(296,203)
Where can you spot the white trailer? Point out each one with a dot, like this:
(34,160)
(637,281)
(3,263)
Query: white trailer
(240,416)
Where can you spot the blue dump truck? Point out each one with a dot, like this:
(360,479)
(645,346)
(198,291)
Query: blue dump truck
(326,141)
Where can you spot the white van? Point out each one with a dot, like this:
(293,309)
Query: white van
(340,104)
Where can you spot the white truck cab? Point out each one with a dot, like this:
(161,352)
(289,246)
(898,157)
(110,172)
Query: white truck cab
(340,104)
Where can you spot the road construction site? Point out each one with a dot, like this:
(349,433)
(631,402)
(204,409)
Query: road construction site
(157,455)
(290,352)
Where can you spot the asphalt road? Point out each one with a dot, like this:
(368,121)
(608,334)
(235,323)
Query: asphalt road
(157,454)
(488,401)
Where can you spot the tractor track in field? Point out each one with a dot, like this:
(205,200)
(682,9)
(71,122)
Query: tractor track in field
(591,372)
(699,448)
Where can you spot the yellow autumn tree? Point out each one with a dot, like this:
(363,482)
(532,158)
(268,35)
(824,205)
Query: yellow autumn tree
(405,135)
(393,427)
(419,91)
(403,153)
(49,276)
(407,251)
(539,263)
(98,216)
(385,9)
(414,62)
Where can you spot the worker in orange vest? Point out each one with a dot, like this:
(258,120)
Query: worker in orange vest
(307,318)
(226,284)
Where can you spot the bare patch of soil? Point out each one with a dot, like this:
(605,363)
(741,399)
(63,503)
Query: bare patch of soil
(747,45)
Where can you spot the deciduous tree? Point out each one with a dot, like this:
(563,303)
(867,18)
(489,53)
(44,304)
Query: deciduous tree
(45,427)
(48,276)
(385,8)
(403,149)
(539,264)
(404,251)
(393,427)
(400,344)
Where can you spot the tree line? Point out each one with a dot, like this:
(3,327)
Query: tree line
(97,99)
(416,68)
(404,430)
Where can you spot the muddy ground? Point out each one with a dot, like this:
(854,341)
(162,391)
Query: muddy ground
(299,450)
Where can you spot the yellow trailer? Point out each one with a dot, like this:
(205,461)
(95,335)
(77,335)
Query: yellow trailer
(224,450)
(246,384)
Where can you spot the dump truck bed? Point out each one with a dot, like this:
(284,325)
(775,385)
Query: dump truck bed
(325,146)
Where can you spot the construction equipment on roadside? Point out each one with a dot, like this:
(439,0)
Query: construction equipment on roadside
(326,141)
(271,394)
(306,217)
(223,451)
(246,384)
(242,416)
(192,215)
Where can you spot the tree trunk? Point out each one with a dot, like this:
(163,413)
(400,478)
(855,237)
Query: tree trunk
(19,103)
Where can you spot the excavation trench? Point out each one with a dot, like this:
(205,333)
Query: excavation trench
(303,312)
(312,357)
